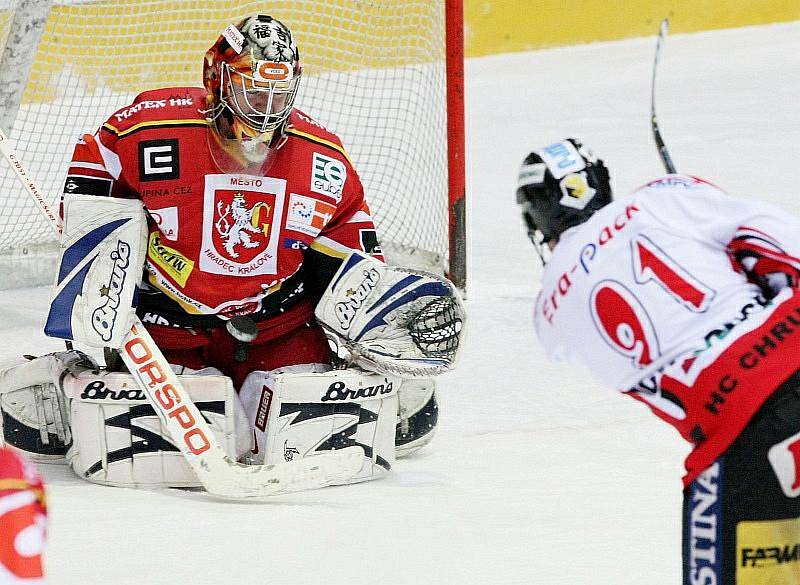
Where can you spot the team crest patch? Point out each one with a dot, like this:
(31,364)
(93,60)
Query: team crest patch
(308,215)
(328,176)
(239,220)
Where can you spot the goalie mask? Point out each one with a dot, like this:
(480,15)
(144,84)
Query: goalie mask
(251,74)
(560,186)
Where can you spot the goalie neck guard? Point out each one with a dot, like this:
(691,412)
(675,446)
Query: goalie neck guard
(560,186)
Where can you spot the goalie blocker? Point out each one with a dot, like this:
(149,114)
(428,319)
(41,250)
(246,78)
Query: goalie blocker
(103,247)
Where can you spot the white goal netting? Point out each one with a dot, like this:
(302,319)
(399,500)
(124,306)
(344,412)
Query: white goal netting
(374,73)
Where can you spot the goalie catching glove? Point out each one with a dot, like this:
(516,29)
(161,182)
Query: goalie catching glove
(392,320)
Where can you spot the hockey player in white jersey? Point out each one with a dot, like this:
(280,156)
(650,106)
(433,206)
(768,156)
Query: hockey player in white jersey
(684,298)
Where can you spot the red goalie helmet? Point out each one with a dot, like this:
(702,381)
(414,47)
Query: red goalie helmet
(252,73)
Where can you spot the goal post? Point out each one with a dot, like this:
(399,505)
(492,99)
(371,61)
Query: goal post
(385,75)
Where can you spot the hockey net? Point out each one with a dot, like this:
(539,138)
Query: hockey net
(374,73)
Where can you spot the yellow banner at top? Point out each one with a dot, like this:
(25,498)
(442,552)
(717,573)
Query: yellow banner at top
(502,26)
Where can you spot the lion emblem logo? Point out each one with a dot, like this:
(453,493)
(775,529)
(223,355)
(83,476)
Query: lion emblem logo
(236,223)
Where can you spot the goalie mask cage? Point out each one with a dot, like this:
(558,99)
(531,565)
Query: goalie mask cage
(384,75)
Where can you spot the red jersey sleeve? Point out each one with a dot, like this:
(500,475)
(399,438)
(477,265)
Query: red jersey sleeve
(22,509)
(352,226)
(95,169)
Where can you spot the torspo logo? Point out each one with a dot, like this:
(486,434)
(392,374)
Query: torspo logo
(242,224)
(168,399)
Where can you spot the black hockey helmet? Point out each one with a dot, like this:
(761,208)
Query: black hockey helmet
(560,186)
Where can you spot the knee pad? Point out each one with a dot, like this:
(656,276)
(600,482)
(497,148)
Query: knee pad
(303,410)
(34,413)
(119,440)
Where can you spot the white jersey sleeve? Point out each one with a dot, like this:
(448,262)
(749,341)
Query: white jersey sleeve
(648,277)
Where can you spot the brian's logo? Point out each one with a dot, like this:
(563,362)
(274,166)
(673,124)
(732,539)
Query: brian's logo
(104,316)
(338,391)
(97,390)
(347,310)
(241,227)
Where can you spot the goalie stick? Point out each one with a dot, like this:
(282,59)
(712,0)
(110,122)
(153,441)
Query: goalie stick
(220,475)
(660,145)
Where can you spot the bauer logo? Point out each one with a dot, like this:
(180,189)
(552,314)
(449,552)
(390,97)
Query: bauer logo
(328,176)
(158,160)
(263,409)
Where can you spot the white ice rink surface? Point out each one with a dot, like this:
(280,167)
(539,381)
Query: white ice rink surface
(537,475)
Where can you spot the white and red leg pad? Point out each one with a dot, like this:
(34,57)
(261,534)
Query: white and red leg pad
(300,411)
(118,440)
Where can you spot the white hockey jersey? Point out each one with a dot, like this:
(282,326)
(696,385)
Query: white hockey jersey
(647,295)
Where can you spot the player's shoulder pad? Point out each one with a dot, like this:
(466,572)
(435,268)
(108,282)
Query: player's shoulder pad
(678,182)
(301,126)
(166,106)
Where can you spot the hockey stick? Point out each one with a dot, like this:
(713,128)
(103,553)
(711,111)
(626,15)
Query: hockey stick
(660,146)
(220,475)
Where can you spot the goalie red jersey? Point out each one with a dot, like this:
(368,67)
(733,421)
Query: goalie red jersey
(224,243)
(22,520)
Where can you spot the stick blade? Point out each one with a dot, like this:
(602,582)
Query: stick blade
(261,482)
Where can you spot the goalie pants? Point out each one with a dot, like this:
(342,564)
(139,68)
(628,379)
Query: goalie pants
(295,339)
(741,516)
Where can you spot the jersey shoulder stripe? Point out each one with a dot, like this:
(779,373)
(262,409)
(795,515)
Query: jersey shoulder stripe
(319,140)
(159,105)
(305,127)
(120,133)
